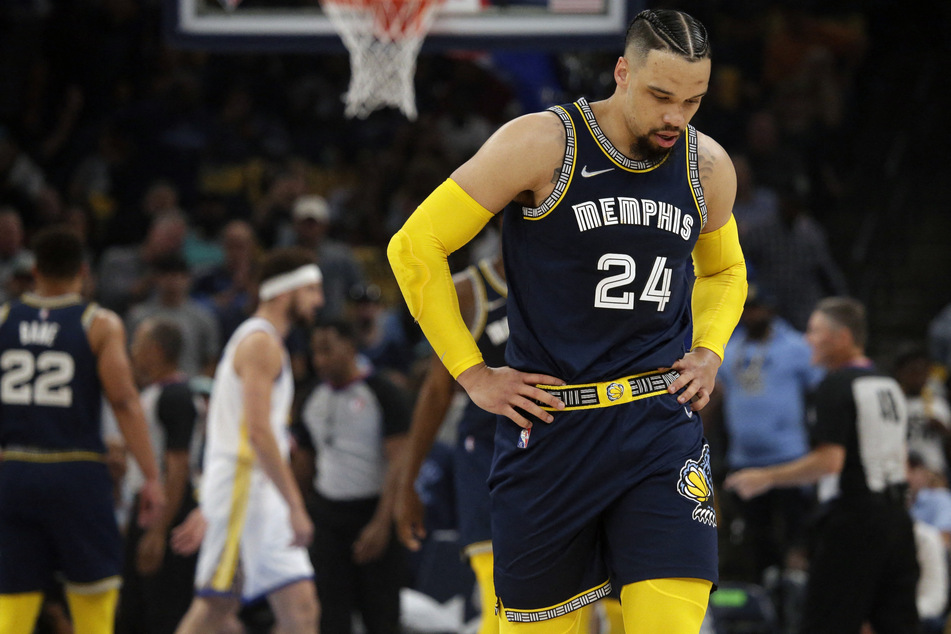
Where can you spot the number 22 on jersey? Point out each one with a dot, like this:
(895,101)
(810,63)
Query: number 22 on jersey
(40,380)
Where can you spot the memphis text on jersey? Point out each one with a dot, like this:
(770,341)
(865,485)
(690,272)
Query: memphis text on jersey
(625,210)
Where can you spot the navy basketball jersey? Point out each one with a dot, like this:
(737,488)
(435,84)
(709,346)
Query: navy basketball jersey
(598,273)
(490,329)
(50,396)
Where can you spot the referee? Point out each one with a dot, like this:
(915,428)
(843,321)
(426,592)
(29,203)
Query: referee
(863,565)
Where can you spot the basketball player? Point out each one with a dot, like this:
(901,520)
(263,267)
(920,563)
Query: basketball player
(601,472)
(58,356)
(254,545)
(864,540)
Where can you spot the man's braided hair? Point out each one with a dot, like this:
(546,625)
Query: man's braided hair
(667,30)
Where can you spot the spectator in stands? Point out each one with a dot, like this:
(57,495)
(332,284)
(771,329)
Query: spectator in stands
(21,179)
(929,416)
(336,260)
(381,333)
(200,332)
(765,376)
(20,279)
(271,217)
(755,204)
(939,338)
(226,289)
(356,424)
(123,277)
(791,256)
(12,249)
(131,225)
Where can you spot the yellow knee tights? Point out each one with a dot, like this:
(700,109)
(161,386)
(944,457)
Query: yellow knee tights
(93,613)
(18,612)
(672,606)
(482,567)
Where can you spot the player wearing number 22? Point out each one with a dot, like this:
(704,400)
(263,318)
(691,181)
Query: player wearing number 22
(58,357)
(601,473)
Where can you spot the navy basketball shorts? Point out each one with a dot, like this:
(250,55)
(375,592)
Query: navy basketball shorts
(56,518)
(606,495)
(472,462)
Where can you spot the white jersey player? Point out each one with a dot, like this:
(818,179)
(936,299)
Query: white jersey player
(257,526)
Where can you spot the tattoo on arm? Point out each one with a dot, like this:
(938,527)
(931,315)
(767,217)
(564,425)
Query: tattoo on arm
(556,174)
(705,162)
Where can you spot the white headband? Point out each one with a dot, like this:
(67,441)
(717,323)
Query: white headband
(290,281)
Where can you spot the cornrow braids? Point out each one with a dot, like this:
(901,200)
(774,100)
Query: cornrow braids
(666,29)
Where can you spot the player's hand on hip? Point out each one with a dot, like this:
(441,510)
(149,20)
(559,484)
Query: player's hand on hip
(151,502)
(502,390)
(698,375)
(409,514)
(302,526)
(749,483)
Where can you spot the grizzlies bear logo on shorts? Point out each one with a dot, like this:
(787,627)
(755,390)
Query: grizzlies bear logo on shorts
(615,391)
(694,484)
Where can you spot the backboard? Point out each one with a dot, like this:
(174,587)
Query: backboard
(301,25)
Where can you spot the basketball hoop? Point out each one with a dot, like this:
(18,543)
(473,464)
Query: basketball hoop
(384,38)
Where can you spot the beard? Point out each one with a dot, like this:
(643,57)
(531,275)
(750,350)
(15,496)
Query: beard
(644,148)
(297,315)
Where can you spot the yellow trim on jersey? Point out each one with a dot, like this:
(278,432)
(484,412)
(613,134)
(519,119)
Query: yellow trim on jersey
(4,311)
(59,301)
(571,171)
(492,277)
(481,315)
(615,392)
(544,614)
(223,578)
(607,153)
(29,454)
(88,315)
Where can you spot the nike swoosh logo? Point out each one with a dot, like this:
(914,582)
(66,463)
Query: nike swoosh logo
(585,173)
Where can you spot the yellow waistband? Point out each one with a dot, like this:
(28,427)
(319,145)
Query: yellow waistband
(36,454)
(616,392)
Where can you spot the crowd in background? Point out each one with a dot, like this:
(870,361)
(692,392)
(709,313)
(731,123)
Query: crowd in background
(180,167)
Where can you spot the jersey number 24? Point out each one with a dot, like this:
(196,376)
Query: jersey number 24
(656,290)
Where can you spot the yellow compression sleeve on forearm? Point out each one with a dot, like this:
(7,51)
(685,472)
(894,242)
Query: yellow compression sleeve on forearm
(720,290)
(444,222)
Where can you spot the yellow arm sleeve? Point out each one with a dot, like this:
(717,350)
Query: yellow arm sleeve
(445,221)
(720,290)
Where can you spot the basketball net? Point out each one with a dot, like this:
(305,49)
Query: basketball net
(384,38)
